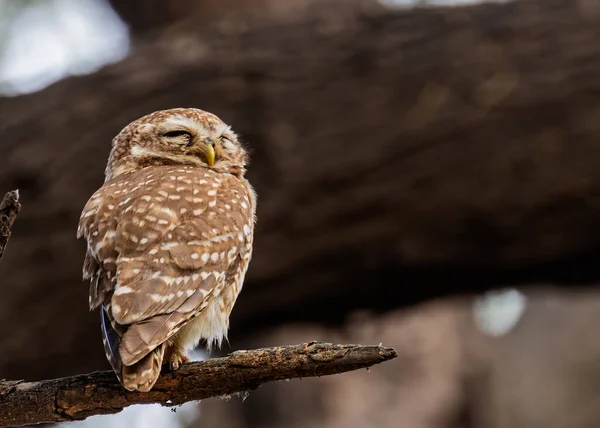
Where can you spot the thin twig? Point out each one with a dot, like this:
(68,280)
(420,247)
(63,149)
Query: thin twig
(9,208)
(77,397)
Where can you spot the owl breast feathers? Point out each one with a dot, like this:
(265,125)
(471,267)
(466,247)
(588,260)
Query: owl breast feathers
(169,239)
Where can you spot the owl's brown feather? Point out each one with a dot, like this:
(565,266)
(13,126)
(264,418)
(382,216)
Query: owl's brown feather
(166,244)
(144,335)
(143,375)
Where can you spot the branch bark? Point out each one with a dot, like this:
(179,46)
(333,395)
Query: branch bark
(78,397)
(9,209)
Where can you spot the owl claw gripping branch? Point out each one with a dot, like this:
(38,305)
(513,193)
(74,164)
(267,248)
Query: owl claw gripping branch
(169,239)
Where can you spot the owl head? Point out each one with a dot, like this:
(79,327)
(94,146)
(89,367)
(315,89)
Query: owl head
(179,136)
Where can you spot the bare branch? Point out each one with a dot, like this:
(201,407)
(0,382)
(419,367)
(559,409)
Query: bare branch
(9,208)
(77,397)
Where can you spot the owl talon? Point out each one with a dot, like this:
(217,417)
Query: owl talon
(176,360)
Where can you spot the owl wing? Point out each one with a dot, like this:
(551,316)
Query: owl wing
(166,239)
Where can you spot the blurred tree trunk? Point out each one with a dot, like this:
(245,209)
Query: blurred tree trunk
(397,156)
(143,16)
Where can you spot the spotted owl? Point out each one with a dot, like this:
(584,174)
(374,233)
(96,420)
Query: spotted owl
(169,239)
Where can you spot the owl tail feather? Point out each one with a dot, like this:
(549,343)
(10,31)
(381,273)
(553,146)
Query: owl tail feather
(140,376)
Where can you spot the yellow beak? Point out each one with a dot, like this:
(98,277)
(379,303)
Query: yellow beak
(209,152)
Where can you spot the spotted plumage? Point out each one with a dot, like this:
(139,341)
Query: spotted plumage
(169,239)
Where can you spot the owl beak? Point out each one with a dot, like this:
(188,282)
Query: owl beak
(209,152)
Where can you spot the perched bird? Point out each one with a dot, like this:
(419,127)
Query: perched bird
(169,239)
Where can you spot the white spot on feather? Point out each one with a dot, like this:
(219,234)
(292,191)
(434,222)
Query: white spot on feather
(169,211)
(122,290)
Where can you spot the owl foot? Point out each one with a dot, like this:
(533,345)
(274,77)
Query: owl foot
(177,358)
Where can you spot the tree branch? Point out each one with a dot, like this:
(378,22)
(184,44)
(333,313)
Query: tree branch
(77,397)
(9,208)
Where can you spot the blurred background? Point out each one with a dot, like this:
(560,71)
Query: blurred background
(427,176)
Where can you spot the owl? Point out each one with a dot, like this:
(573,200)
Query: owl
(169,239)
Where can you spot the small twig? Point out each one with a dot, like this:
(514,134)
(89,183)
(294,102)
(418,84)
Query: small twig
(9,208)
(77,397)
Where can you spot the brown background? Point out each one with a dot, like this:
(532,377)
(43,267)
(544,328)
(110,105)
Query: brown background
(399,156)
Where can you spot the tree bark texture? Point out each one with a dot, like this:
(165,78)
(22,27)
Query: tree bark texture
(397,155)
(78,397)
